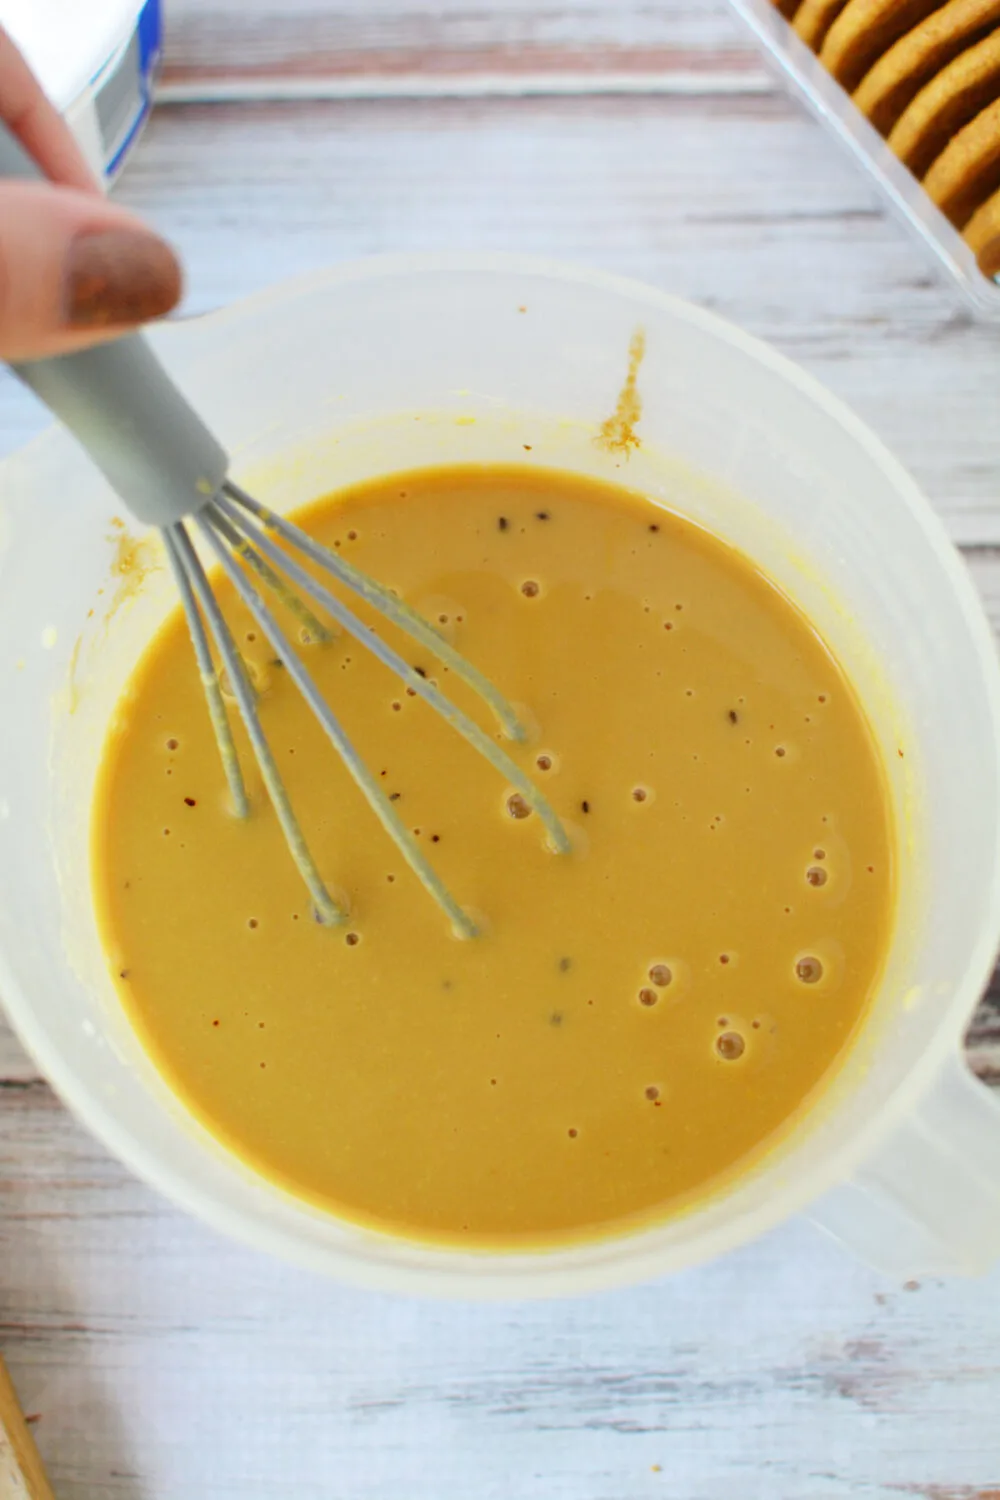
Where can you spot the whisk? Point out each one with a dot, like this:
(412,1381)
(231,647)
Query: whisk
(172,473)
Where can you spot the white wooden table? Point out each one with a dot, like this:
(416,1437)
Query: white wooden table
(165,1364)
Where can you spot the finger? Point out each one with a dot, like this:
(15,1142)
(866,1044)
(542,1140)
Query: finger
(75,269)
(38,125)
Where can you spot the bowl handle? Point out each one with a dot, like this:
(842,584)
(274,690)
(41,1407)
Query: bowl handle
(927,1201)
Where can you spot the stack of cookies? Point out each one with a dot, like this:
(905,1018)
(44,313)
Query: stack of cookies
(927,76)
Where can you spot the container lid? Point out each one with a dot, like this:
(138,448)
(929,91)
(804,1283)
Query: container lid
(67,42)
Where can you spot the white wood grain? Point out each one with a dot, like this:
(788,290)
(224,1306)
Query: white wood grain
(166,1364)
(213,40)
(668,190)
(738,203)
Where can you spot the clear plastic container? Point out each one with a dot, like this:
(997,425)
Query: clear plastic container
(97,62)
(798,66)
(392,363)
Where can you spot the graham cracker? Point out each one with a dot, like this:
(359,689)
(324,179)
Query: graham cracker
(968,169)
(864,30)
(814,18)
(900,74)
(946,104)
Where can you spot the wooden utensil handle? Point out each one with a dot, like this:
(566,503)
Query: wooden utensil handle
(22,1476)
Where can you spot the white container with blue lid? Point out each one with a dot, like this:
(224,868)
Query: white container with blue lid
(97,60)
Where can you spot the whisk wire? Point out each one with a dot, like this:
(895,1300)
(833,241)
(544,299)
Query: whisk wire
(315,628)
(218,512)
(387,603)
(377,799)
(209,678)
(181,546)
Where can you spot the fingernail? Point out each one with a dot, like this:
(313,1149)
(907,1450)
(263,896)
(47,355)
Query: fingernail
(117,277)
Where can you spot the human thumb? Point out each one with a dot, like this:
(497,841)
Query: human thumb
(75,270)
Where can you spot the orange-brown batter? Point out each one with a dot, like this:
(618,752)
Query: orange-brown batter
(641,1017)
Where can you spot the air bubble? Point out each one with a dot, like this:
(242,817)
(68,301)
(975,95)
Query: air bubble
(730,1046)
(250,672)
(517,806)
(660,975)
(816,875)
(809,969)
(648,997)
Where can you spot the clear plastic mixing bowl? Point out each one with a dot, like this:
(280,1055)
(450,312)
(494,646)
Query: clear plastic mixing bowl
(395,363)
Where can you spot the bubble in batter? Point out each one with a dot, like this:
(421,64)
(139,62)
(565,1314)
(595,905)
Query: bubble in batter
(517,806)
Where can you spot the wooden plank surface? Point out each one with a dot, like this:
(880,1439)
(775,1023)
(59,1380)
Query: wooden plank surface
(162,1363)
(739,203)
(215,42)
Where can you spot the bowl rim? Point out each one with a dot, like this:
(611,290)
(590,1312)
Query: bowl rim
(618,1259)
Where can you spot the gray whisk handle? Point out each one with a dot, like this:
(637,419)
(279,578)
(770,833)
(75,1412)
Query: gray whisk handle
(122,406)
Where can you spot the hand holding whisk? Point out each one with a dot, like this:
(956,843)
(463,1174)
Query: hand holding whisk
(171,472)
